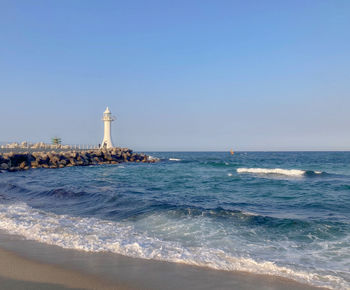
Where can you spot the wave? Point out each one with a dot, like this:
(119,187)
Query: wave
(4,197)
(174,159)
(284,225)
(10,187)
(217,163)
(96,235)
(63,193)
(279,171)
(150,157)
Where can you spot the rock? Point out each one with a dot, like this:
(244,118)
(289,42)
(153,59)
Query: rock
(23,165)
(34,163)
(4,166)
(17,159)
(30,158)
(10,155)
(54,160)
(36,154)
(74,155)
(43,158)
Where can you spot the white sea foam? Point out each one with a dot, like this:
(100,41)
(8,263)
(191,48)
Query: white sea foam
(289,172)
(152,158)
(96,235)
(174,159)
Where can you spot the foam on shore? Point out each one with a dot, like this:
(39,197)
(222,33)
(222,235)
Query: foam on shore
(120,271)
(96,235)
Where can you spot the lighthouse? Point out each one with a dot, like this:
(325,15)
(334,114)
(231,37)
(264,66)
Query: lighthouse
(107,139)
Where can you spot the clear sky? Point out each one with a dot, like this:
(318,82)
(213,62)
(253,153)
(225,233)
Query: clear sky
(178,75)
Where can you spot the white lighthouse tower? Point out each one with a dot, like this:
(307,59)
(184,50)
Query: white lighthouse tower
(107,119)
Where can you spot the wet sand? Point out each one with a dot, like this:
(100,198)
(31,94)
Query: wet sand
(32,265)
(17,272)
(6,283)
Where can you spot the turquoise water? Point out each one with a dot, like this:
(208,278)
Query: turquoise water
(276,213)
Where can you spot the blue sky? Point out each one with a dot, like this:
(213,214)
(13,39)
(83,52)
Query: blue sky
(178,75)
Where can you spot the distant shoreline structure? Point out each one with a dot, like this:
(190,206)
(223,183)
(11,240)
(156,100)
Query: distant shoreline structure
(42,145)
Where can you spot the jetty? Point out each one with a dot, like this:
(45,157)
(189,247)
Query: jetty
(16,161)
(25,155)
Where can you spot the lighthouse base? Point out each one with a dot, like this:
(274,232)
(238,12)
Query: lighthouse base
(107,144)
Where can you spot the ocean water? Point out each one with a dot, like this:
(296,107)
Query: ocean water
(277,213)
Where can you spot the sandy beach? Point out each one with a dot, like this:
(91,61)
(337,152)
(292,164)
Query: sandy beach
(32,265)
(17,272)
(18,284)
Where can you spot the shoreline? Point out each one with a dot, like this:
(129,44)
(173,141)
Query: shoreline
(23,261)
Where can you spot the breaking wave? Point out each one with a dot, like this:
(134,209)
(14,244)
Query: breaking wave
(174,159)
(279,171)
(96,235)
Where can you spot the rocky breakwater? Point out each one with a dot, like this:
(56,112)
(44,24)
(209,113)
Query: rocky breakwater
(23,161)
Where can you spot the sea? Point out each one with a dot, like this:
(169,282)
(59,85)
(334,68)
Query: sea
(284,214)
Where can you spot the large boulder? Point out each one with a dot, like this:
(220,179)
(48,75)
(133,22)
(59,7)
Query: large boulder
(34,164)
(4,166)
(23,165)
(17,159)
